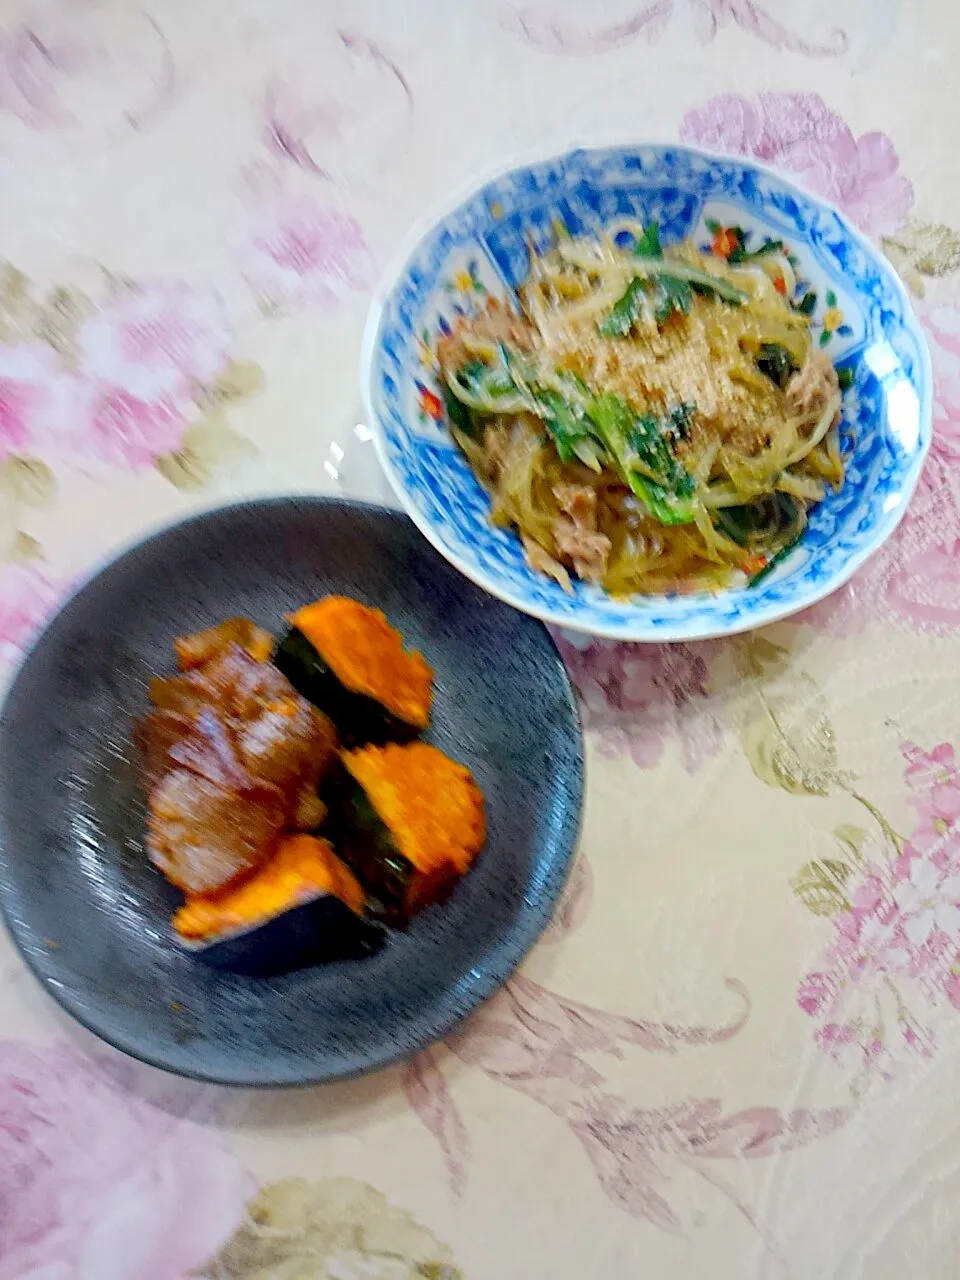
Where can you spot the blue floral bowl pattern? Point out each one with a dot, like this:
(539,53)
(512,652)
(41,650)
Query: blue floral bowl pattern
(863,317)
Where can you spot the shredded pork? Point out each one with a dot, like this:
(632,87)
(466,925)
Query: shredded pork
(575,533)
(812,388)
(543,562)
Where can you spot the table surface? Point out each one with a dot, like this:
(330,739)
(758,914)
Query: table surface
(735,1052)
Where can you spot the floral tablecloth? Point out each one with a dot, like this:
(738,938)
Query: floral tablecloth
(736,1052)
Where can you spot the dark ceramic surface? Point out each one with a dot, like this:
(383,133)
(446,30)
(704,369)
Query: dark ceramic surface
(91,917)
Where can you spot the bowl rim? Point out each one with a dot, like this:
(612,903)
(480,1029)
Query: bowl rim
(637,630)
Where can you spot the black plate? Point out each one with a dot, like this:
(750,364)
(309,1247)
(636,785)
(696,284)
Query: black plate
(91,916)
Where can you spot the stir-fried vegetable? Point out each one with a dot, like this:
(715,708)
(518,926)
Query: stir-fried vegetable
(661,287)
(587,427)
(639,448)
(776,362)
(670,294)
(766,518)
(621,481)
(669,286)
(701,281)
(569,429)
(626,311)
(648,245)
(739,253)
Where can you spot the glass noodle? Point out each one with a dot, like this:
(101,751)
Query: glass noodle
(650,418)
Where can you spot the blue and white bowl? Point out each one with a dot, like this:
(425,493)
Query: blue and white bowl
(863,319)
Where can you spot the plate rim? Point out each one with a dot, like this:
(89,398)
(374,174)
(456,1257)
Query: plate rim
(634,631)
(485,983)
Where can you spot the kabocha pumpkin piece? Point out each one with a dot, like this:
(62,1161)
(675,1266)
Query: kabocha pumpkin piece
(301,866)
(409,822)
(350,662)
(303,906)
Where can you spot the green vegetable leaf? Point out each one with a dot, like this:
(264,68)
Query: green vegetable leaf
(808,303)
(613,416)
(846,377)
(567,428)
(486,380)
(738,251)
(458,413)
(669,295)
(741,523)
(587,427)
(648,246)
(665,507)
(653,449)
(775,561)
(470,371)
(775,517)
(622,316)
(680,418)
(776,362)
(707,284)
(742,254)
(641,453)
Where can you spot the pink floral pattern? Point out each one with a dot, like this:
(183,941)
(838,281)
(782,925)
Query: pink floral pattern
(68,66)
(752,17)
(638,698)
(574,906)
(142,363)
(425,1088)
(299,250)
(317,112)
(943,333)
(123,431)
(95,1182)
(121,383)
(27,597)
(915,577)
(567,26)
(156,343)
(552,1050)
(799,133)
(26,371)
(895,950)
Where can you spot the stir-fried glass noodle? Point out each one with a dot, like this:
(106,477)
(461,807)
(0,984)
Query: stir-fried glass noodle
(650,419)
